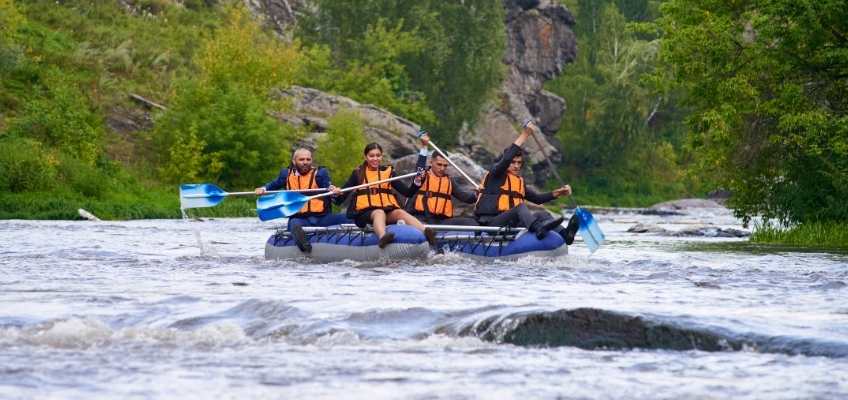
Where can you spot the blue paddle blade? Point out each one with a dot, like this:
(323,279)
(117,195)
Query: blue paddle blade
(589,229)
(285,210)
(198,195)
(279,205)
(279,199)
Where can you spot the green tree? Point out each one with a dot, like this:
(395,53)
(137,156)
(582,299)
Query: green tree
(621,133)
(450,64)
(217,126)
(766,80)
(344,136)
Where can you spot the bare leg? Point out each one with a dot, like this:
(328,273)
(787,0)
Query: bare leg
(378,222)
(401,215)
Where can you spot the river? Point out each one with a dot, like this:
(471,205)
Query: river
(191,309)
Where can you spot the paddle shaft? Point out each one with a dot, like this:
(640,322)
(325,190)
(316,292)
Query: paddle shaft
(550,163)
(476,186)
(471,181)
(347,189)
(223,194)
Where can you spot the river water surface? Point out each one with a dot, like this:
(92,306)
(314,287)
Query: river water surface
(143,309)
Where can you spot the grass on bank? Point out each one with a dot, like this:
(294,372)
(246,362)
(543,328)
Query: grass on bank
(824,235)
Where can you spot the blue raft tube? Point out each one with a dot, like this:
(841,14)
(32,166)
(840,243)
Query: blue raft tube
(349,242)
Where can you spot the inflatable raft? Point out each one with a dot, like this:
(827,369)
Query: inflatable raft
(348,242)
(499,243)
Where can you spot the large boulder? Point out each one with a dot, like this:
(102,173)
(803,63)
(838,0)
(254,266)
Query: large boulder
(312,108)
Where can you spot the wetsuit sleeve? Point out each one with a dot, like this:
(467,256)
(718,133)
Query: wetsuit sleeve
(500,167)
(422,160)
(538,198)
(462,194)
(280,182)
(322,178)
(351,181)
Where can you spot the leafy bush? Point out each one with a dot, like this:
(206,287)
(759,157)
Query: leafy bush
(83,178)
(622,137)
(767,86)
(62,117)
(217,126)
(25,166)
(10,20)
(339,150)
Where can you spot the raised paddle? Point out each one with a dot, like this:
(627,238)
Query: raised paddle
(198,195)
(582,220)
(286,204)
(422,132)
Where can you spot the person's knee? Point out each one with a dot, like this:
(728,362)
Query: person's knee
(378,214)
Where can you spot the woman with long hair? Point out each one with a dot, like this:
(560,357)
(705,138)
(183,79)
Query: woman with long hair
(377,204)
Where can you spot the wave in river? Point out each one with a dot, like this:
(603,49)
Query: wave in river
(262,320)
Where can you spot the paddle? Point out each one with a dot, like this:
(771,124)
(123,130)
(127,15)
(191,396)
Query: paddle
(198,195)
(286,204)
(423,132)
(582,219)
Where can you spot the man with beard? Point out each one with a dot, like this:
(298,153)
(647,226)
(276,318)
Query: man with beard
(300,175)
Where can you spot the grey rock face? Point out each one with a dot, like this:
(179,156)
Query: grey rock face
(312,108)
(280,14)
(645,228)
(540,43)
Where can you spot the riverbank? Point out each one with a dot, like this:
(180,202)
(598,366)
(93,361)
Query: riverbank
(820,235)
(158,203)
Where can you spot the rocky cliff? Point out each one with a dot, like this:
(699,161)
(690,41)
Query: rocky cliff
(540,44)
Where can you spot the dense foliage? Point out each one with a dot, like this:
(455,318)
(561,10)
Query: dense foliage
(217,127)
(62,69)
(766,80)
(440,59)
(622,133)
(344,136)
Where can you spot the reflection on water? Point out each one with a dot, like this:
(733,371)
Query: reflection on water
(164,309)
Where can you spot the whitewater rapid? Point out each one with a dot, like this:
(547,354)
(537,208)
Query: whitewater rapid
(191,309)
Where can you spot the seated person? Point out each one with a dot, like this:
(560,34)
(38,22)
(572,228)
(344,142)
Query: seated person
(433,203)
(377,205)
(503,193)
(301,174)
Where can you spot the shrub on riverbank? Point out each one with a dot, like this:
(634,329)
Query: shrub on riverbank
(826,235)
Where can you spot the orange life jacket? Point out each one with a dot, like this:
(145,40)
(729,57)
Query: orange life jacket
(512,191)
(298,181)
(436,192)
(377,196)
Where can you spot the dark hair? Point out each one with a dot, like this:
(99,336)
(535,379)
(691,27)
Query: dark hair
(372,146)
(437,154)
(520,153)
(360,170)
